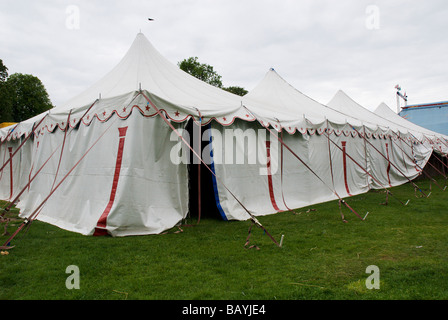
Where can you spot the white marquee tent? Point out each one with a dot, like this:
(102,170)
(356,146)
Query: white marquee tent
(107,160)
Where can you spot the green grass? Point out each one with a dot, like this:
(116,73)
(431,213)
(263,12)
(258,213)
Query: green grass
(321,257)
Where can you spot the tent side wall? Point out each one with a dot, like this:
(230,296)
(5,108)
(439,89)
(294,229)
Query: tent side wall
(126,177)
(272,179)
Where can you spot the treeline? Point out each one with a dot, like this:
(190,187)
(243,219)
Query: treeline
(22,96)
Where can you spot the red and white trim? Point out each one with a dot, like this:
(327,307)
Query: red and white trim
(101,227)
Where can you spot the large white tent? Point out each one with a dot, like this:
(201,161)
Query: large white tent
(110,160)
(126,182)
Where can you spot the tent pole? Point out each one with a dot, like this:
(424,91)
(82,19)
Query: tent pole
(329,154)
(281,171)
(365,152)
(199,152)
(199,171)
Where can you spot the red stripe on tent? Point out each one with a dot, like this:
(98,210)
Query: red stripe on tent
(100,229)
(388,164)
(10,172)
(281,174)
(268,165)
(344,162)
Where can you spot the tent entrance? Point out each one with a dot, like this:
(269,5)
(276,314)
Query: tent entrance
(205,198)
(437,166)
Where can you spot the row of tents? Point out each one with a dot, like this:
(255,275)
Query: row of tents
(119,159)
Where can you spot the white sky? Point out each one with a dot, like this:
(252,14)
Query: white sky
(363,47)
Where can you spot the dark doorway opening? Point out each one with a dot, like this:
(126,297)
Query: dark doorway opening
(199,172)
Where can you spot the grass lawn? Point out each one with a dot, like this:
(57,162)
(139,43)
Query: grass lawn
(322,258)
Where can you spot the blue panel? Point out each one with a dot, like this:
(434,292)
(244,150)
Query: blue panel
(215,184)
(434,118)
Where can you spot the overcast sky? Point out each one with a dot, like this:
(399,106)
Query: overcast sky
(363,47)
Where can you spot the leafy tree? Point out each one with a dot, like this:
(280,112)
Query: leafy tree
(5,100)
(201,71)
(28,96)
(207,74)
(3,71)
(236,90)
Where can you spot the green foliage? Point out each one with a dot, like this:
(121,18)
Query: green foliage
(322,258)
(201,71)
(206,73)
(22,96)
(3,71)
(5,97)
(236,90)
(28,96)
(5,103)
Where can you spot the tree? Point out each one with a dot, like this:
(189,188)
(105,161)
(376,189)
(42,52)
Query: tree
(236,90)
(3,71)
(201,71)
(5,98)
(28,96)
(207,74)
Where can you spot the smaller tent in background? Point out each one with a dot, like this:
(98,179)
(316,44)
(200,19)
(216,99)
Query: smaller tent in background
(390,151)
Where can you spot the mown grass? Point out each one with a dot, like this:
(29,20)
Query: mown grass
(322,258)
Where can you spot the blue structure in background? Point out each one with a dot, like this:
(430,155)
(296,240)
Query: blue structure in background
(432,116)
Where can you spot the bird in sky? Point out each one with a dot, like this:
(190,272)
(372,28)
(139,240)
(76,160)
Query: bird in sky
(150,19)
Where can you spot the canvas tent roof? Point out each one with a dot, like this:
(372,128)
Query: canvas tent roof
(275,94)
(143,67)
(343,103)
(184,96)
